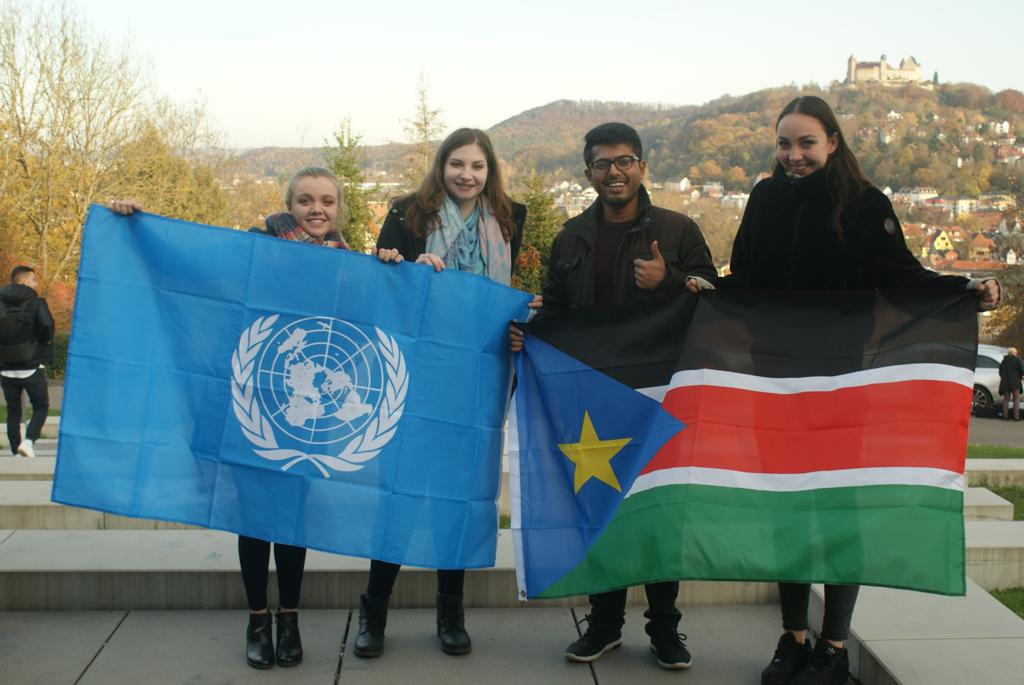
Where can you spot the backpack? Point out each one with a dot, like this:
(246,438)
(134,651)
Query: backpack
(17,331)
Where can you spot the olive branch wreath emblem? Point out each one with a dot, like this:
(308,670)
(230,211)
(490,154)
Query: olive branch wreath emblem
(260,432)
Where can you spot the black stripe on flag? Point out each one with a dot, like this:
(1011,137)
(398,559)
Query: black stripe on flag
(778,334)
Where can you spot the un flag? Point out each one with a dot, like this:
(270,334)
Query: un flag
(287,392)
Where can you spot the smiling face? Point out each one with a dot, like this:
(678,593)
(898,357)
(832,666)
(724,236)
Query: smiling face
(465,174)
(314,205)
(801,144)
(616,187)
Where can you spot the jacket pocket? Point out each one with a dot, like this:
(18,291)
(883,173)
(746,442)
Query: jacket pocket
(566,264)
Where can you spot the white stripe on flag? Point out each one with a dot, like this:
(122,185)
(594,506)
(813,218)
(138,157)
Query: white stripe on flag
(794,482)
(791,386)
(514,498)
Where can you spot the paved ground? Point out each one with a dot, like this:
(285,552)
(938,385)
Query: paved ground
(996,432)
(730,644)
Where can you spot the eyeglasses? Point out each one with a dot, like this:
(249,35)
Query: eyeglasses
(622,163)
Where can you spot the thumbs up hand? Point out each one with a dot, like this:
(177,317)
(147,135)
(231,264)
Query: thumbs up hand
(649,273)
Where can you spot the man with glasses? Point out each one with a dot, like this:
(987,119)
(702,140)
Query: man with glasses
(619,248)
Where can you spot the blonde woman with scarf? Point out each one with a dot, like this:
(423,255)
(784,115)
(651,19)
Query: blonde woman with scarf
(315,207)
(459,218)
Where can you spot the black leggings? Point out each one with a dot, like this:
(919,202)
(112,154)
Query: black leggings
(383,575)
(254,558)
(839,603)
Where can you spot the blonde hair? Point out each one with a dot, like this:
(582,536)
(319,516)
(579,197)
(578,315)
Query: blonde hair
(319,172)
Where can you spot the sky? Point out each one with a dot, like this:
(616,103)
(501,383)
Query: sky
(280,73)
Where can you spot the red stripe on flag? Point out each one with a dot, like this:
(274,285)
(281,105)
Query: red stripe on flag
(910,424)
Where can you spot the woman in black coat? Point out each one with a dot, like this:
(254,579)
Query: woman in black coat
(1011,369)
(818,224)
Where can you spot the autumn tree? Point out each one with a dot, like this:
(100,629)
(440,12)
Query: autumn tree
(66,105)
(423,129)
(77,127)
(345,158)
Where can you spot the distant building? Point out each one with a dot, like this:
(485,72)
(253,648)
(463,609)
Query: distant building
(737,200)
(915,195)
(909,71)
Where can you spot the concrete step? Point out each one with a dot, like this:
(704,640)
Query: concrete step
(981,504)
(26,505)
(995,553)
(50,430)
(982,472)
(906,637)
(19,468)
(198,569)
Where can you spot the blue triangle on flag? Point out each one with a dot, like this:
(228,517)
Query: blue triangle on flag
(555,393)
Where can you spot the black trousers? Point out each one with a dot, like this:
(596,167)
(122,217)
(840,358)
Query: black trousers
(610,607)
(254,558)
(839,603)
(38,395)
(383,575)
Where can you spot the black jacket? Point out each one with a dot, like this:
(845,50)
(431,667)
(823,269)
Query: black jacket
(1011,370)
(570,279)
(395,233)
(785,242)
(14,295)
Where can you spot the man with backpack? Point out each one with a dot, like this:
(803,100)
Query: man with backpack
(26,337)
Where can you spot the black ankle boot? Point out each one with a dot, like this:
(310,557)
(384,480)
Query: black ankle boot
(451,625)
(289,642)
(373,617)
(259,641)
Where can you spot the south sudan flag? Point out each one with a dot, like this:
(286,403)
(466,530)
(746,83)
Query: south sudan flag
(757,436)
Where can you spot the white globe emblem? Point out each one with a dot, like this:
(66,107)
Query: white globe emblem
(320,380)
(323,383)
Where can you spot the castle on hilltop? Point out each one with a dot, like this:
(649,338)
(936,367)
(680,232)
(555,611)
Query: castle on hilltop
(881,71)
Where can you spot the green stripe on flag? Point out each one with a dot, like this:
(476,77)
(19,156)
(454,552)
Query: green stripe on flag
(902,536)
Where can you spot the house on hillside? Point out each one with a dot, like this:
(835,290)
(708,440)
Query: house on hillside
(982,247)
(915,194)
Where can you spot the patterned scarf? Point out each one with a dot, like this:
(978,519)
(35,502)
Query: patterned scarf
(478,249)
(283,225)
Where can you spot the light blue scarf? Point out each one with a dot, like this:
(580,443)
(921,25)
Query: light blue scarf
(474,244)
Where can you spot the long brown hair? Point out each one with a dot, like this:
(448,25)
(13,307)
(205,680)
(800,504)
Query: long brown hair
(430,195)
(843,177)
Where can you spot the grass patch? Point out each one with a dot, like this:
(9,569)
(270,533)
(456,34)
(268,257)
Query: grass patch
(994,452)
(504,521)
(25,413)
(1012,598)
(1014,494)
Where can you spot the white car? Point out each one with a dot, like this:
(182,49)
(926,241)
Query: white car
(986,399)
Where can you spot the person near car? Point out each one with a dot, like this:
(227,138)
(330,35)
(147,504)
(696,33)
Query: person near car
(26,337)
(1011,370)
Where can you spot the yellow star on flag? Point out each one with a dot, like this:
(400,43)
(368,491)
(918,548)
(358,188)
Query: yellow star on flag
(593,456)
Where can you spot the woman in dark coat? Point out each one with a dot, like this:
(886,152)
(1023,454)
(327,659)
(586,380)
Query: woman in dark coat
(1011,369)
(819,224)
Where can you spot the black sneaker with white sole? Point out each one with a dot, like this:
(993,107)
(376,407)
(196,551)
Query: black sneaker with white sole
(670,649)
(599,638)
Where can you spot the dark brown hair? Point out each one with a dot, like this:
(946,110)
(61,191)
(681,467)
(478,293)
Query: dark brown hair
(843,177)
(19,271)
(430,195)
